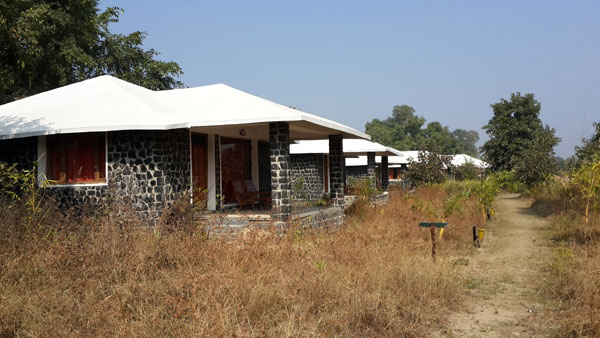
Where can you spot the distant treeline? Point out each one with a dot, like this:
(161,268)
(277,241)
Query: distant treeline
(404,131)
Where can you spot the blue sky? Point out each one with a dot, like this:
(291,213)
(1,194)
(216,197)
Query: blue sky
(352,61)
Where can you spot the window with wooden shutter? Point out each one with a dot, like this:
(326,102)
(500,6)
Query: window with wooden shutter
(76,158)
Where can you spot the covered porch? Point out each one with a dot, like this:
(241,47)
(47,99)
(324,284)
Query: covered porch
(228,163)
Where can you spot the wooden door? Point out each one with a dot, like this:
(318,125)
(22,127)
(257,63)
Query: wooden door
(199,172)
(236,164)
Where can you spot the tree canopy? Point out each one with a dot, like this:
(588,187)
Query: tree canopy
(589,147)
(430,167)
(519,140)
(48,44)
(404,131)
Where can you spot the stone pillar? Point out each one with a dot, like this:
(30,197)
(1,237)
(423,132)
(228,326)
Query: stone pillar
(336,169)
(279,148)
(371,168)
(385,173)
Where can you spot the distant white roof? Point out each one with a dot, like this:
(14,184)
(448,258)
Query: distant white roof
(352,147)
(410,155)
(393,161)
(106,103)
(461,159)
(406,156)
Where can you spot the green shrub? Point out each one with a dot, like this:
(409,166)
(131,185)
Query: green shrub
(362,187)
(467,171)
(430,168)
(12,180)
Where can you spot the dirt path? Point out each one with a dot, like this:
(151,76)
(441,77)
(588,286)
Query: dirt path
(502,279)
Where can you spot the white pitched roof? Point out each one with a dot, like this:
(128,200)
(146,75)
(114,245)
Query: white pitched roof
(457,160)
(352,147)
(106,103)
(393,161)
(461,159)
(409,155)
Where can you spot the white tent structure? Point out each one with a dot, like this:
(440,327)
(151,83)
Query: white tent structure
(413,155)
(352,147)
(409,155)
(106,103)
(461,159)
(393,161)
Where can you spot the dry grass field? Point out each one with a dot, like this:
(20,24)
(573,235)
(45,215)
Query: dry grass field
(574,267)
(105,276)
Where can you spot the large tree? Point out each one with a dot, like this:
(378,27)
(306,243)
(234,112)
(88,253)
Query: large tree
(48,44)
(466,141)
(519,140)
(401,131)
(589,147)
(404,131)
(537,160)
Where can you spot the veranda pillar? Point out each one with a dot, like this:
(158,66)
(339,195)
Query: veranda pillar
(372,168)
(336,169)
(385,173)
(279,147)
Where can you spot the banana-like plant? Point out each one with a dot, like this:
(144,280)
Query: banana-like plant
(587,180)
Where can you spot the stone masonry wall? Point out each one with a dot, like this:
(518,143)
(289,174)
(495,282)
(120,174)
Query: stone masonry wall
(309,168)
(147,171)
(321,219)
(356,173)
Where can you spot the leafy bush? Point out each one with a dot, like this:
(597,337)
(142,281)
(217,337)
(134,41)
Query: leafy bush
(431,167)
(536,161)
(466,171)
(12,180)
(587,180)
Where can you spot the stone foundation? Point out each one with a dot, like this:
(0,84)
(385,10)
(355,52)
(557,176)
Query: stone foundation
(321,219)
(377,200)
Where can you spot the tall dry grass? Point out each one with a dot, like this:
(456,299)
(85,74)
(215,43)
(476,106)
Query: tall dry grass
(105,276)
(574,267)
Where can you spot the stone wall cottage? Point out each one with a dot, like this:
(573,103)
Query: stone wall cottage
(106,135)
(386,167)
(310,156)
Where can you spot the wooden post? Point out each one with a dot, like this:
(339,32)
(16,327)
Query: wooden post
(483,214)
(475,237)
(442,229)
(432,230)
